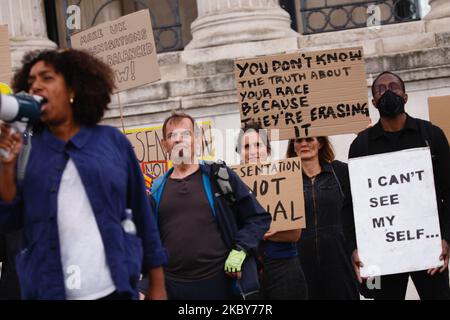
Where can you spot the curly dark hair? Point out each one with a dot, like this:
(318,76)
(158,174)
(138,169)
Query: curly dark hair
(91,80)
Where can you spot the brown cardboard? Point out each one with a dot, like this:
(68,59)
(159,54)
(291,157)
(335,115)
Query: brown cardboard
(305,93)
(127,46)
(279,191)
(439,108)
(5,56)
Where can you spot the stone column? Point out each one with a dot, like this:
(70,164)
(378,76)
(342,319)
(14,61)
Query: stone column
(224,23)
(26,25)
(439,9)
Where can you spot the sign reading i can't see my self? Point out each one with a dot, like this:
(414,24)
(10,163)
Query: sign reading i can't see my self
(395,209)
(303,94)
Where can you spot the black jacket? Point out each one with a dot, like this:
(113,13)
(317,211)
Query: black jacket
(329,211)
(416,133)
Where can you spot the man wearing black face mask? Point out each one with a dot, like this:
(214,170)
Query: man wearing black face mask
(395,131)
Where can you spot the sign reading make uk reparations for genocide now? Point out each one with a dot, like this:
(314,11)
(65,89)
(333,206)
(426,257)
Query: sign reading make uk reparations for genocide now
(127,46)
(439,109)
(395,208)
(5,56)
(304,94)
(154,162)
(278,186)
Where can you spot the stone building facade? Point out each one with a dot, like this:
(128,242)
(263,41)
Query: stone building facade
(199,79)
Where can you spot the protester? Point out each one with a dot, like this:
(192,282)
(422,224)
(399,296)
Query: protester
(211,237)
(282,276)
(323,250)
(396,131)
(88,228)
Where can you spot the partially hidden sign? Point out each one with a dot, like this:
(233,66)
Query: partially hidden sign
(278,187)
(305,94)
(5,56)
(439,109)
(127,46)
(395,209)
(154,162)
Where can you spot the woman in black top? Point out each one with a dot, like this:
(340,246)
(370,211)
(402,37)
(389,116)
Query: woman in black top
(323,249)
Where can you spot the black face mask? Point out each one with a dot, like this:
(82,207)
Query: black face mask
(390,105)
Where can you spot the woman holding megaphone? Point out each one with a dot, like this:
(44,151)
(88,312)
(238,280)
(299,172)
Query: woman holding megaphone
(88,227)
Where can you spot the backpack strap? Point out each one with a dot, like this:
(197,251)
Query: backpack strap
(222,179)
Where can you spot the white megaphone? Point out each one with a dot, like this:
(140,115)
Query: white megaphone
(20,111)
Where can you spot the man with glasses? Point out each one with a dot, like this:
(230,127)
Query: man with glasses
(395,131)
(211,243)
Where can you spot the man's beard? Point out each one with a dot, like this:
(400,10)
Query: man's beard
(181,154)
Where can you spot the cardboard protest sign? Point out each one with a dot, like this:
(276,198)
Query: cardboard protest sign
(439,109)
(395,208)
(127,46)
(5,56)
(278,186)
(303,94)
(149,152)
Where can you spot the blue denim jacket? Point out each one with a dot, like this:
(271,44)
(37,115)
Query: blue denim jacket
(113,182)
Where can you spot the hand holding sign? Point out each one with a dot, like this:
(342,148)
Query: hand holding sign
(444,257)
(357,265)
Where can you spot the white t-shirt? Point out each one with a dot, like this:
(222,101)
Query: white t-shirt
(86,272)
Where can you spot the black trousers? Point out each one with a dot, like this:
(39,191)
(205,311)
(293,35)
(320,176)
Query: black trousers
(393,287)
(283,279)
(9,283)
(327,267)
(217,287)
(116,296)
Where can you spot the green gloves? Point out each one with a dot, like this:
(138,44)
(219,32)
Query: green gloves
(235,260)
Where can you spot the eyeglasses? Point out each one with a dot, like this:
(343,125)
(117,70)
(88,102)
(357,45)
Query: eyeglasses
(182,134)
(393,86)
